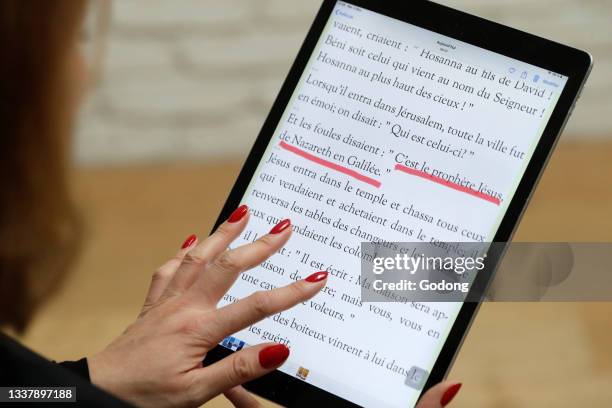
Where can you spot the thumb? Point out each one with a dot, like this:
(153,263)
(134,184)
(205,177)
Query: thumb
(439,395)
(240,367)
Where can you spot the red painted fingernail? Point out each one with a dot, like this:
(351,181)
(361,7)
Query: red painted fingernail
(238,213)
(273,356)
(281,226)
(317,277)
(449,394)
(189,241)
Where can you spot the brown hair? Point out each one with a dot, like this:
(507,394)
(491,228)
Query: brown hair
(39,229)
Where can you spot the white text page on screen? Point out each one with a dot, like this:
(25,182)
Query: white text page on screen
(394,133)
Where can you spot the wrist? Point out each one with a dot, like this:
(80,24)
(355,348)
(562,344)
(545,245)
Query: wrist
(100,373)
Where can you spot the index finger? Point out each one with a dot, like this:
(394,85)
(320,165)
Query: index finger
(236,316)
(221,274)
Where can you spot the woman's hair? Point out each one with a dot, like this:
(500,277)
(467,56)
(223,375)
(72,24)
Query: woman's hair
(39,228)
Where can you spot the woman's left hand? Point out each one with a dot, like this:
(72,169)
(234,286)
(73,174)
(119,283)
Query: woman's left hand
(438,396)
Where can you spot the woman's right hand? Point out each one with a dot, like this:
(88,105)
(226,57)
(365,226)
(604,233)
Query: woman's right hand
(157,361)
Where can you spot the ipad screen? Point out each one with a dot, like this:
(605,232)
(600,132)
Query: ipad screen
(394,133)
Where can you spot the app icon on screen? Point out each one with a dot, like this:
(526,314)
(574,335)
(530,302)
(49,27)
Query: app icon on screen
(416,377)
(302,373)
(233,343)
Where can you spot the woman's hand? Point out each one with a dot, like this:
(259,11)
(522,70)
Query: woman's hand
(440,395)
(157,361)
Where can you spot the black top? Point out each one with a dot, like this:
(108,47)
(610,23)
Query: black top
(20,367)
(79,367)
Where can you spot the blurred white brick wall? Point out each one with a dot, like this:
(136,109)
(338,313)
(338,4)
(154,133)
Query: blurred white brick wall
(194,79)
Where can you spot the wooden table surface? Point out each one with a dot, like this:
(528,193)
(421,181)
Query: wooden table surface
(516,355)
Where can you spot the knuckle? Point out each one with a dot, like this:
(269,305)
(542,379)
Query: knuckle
(297,290)
(159,275)
(223,231)
(227,262)
(193,258)
(266,243)
(175,260)
(241,368)
(260,302)
(191,326)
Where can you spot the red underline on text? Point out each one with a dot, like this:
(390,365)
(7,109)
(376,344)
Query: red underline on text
(449,184)
(329,164)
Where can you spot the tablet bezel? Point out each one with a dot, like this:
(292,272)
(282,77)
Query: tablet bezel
(571,62)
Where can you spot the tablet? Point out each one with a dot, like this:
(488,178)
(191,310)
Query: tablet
(398,121)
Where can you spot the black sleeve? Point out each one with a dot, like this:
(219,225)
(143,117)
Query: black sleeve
(20,367)
(78,367)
